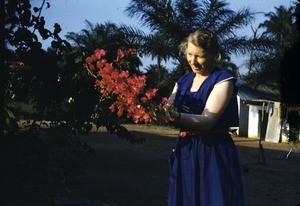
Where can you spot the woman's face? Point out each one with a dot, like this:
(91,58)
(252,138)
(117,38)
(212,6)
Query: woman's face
(199,60)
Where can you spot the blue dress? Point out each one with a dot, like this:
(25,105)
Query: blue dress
(204,168)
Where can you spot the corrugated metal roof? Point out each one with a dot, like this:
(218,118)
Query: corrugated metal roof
(260,93)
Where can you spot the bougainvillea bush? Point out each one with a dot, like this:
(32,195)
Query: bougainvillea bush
(123,96)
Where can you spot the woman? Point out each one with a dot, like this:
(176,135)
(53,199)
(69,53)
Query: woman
(204,166)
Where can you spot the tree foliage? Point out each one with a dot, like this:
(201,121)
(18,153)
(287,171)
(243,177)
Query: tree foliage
(31,73)
(107,36)
(289,70)
(54,82)
(279,34)
(174,20)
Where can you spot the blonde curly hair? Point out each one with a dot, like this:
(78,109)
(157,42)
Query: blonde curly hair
(204,39)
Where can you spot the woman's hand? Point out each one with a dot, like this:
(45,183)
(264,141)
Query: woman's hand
(161,118)
(168,115)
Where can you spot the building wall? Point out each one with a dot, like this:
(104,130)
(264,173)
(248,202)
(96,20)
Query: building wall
(253,121)
(274,127)
(243,119)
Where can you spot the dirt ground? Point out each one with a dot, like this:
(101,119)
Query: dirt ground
(125,174)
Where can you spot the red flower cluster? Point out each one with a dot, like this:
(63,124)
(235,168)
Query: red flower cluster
(127,91)
(123,53)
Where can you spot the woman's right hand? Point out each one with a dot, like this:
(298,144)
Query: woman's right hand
(161,118)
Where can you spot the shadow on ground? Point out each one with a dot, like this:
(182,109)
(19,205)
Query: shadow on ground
(125,174)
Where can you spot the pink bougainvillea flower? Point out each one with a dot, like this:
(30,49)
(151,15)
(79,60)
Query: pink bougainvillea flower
(99,53)
(127,91)
(150,93)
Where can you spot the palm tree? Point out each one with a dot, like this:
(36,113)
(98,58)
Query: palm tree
(281,27)
(174,20)
(153,78)
(268,48)
(153,45)
(289,73)
(106,36)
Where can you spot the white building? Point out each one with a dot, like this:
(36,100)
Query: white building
(262,115)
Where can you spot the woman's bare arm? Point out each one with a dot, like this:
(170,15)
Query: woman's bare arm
(172,96)
(214,108)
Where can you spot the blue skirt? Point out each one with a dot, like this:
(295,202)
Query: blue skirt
(205,171)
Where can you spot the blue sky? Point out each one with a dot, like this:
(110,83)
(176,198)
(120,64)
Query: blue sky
(71,14)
